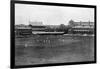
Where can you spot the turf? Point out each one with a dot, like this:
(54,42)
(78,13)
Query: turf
(53,49)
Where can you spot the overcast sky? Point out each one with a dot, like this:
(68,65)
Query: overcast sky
(51,15)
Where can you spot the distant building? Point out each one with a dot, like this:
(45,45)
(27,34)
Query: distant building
(35,23)
(22,30)
(82,27)
(37,26)
(81,24)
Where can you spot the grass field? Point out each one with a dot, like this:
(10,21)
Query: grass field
(53,49)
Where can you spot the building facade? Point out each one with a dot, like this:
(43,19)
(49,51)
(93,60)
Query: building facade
(81,27)
(37,26)
(22,30)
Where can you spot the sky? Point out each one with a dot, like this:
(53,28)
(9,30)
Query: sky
(51,15)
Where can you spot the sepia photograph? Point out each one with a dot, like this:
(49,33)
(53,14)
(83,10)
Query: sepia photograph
(50,34)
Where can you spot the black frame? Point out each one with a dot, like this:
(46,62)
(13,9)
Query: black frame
(12,37)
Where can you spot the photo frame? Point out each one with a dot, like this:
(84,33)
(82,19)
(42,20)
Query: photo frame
(45,56)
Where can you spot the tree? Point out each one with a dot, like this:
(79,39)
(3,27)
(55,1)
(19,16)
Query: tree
(30,25)
(65,28)
(62,27)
